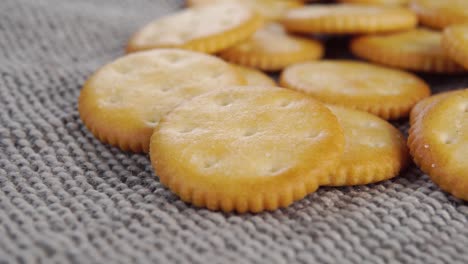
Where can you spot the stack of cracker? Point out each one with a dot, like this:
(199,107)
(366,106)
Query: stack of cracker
(222,134)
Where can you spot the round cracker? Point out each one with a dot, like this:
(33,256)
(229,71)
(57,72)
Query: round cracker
(455,43)
(440,13)
(207,29)
(254,77)
(123,101)
(246,148)
(348,19)
(272,49)
(438,142)
(418,50)
(385,92)
(269,9)
(374,149)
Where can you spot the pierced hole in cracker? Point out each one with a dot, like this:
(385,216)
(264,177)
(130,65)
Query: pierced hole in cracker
(210,163)
(225,101)
(173,58)
(186,130)
(216,74)
(154,121)
(285,103)
(379,144)
(250,132)
(314,134)
(372,144)
(447,139)
(114,99)
(275,169)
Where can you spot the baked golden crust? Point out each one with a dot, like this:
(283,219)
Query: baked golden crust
(207,29)
(382,91)
(417,50)
(348,19)
(438,141)
(422,106)
(455,43)
(272,49)
(246,148)
(440,13)
(123,101)
(374,149)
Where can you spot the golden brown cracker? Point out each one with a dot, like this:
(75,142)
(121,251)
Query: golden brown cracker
(123,101)
(207,29)
(455,43)
(440,13)
(382,91)
(374,149)
(246,148)
(416,50)
(272,49)
(348,19)
(438,141)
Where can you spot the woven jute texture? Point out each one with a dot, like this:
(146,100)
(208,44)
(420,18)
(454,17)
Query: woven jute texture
(67,198)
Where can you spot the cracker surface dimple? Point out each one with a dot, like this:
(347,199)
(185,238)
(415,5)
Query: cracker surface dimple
(272,49)
(254,77)
(123,101)
(206,29)
(439,143)
(418,50)
(374,149)
(247,149)
(348,19)
(385,92)
(440,13)
(455,43)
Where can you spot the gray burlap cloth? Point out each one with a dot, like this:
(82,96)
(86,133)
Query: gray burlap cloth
(67,198)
